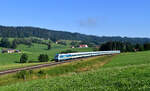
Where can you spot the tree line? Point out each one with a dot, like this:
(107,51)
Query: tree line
(124,46)
(4,42)
(41,58)
(22,32)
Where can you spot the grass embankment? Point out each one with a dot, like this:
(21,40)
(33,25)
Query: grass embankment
(19,65)
(126,72)
(59,70)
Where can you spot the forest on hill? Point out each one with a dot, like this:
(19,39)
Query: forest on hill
(21,32)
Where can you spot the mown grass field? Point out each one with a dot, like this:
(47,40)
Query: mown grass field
(124,72)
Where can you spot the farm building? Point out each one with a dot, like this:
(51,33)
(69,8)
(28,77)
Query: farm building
(83,46)
(72,47)
(10,51)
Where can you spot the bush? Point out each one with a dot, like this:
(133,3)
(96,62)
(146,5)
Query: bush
(52,60)
(21,74)
(41,73)
(43,58)
(62,43)
(30,72)
(23,58)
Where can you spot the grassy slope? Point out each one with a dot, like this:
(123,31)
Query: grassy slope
(62,69)
(8,61)
(129,71)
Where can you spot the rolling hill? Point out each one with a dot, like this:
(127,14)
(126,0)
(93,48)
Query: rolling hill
(19,32)
(8,60)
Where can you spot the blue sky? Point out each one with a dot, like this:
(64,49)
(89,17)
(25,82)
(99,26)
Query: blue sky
(97,17)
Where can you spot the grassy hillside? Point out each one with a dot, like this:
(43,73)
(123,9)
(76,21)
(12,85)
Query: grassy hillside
(62,69)
(8,61)
(22,31)
(125,72)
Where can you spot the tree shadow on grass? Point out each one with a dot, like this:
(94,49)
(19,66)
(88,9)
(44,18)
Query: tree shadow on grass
(34,62)
(28,62)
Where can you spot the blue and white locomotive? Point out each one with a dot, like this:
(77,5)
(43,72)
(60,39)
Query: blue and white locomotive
(68,56)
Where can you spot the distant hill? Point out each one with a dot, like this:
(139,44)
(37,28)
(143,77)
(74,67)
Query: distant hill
(19,32)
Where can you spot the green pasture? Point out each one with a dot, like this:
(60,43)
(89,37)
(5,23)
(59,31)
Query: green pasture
(8,61)
(63,69)
(125,72)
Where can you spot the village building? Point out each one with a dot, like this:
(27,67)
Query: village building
(10,51)
(72,47)
(83,46)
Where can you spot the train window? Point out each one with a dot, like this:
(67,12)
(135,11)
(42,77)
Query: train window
(68,55)
(61,56)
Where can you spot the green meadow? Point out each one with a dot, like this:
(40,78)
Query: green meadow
(123,72)
(8,61)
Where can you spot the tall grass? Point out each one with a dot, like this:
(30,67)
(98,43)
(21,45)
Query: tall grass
(62,69)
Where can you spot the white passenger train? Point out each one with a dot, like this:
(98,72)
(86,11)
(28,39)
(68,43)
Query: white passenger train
(68,56)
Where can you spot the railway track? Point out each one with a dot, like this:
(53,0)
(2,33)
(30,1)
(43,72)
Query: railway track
(34,67)
(40,66)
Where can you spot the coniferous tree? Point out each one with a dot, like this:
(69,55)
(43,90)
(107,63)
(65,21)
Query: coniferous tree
(115,45)
(147,46)
(22,32)
(129,47)
(43,58)
(5,43)
(23,58)
(49,45)
(14,44)
(139,47)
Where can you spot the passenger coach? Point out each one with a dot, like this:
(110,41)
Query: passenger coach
(68,56)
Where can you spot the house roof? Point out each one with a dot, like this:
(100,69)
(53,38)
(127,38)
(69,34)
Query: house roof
(10,50)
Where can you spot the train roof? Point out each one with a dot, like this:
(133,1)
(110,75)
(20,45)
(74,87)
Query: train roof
(88,52)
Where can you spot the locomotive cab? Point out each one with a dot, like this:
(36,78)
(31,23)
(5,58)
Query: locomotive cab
(56,58)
